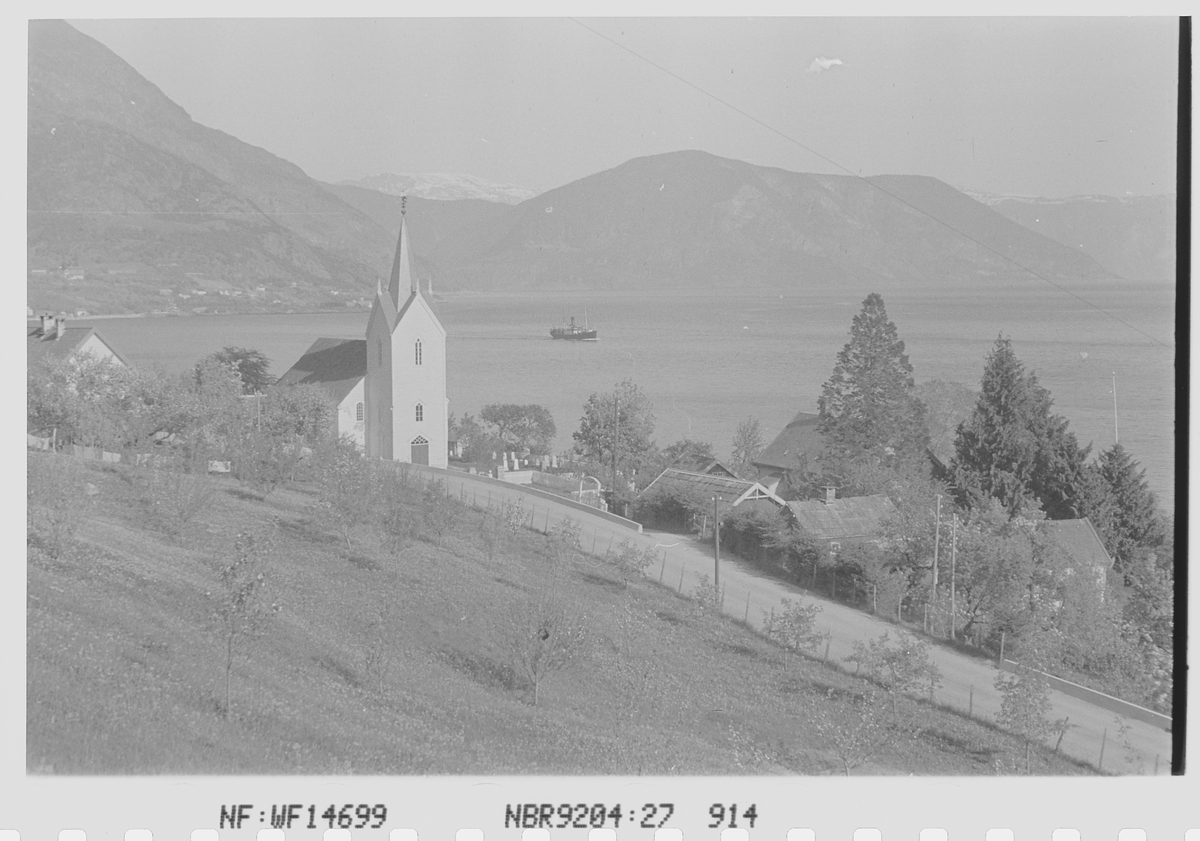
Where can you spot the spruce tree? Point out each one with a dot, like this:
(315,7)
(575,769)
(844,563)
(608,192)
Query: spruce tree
(868,408)
(1014,449)
(1133,518)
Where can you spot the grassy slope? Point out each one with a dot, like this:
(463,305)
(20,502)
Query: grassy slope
(125,673)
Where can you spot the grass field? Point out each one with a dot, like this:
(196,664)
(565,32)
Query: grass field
(386,661)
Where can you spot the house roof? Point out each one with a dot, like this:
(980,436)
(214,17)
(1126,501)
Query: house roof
(1079,539)
(840,519)
(336,365)
(796,447)
(714,484)
(711,483)
(46,347)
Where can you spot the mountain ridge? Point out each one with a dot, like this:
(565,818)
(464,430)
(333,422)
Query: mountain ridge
(133,206)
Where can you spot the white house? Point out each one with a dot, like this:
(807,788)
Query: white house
(51,339)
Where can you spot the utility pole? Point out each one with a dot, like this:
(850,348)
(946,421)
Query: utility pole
(716,547)
(616,433)
(937,533)
(953,556)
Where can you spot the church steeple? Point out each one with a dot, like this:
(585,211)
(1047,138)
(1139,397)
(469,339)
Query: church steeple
(401,271)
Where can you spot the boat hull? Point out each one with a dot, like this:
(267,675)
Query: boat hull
(570,335)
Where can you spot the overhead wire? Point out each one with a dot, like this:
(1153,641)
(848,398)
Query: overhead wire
(864,179)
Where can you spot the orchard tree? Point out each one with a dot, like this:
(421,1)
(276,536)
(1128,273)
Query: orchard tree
(620,422)
(521,427)
(251,367)
(868,407)
(747,444)
(1014,449)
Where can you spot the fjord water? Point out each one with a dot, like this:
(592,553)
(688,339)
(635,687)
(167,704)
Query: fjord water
(707,361)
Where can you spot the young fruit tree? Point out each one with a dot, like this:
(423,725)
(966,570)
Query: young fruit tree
(904,668)
(346,483)
(542,637)
(242,605)
(1025,706)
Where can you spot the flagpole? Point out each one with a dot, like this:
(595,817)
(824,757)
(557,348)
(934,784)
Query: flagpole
(1116,436)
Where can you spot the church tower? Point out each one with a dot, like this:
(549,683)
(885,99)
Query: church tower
(405,391)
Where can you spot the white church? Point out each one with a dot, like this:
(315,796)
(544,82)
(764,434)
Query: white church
(391,387)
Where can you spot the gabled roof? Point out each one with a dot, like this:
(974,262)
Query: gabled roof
(796,447)
(714,484)
(1079,539)
(336,365)
(47,347)
(841,519)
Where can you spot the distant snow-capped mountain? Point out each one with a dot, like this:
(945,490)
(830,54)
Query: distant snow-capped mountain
(443,185)
(1131,236)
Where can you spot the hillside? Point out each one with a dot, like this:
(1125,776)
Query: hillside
(1133,236)
(691,219)
(395,662)
(133,206)
(128,192)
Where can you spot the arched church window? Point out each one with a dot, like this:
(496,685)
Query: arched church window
(417,352)
(358,413)
(420,412)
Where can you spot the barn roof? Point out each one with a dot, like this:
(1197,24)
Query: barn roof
(336,365)
(1079,539)
(794,448)
(710,483)
(840,519)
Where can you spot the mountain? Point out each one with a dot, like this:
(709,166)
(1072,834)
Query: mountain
(1130,236)
(132,204)
(444,186)
(692,219)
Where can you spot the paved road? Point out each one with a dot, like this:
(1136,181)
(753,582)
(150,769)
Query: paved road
(966,682)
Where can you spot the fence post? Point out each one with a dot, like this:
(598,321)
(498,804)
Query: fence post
(663,567)
(1066,721)
(828,640)
(593,543)
(681,580)
(874,601)
(899,620)
(746,616)
(971,703)
(925,620)
(610,540)
(1000,662)
(546,527)
(1103,741)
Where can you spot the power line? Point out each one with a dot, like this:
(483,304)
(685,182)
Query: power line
(868,181)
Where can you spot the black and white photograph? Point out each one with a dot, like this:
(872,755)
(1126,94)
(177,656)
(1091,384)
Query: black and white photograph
(637,397)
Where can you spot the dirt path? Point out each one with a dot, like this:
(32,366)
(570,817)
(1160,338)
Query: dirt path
(967,682)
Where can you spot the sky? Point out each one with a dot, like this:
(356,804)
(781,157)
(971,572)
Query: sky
(1050,107)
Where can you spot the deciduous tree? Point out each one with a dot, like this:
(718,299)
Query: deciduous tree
(521,427)
(621,421)
(747,444)
(251,367)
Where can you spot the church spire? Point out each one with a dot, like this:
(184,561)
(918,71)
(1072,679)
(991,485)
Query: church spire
(401,271)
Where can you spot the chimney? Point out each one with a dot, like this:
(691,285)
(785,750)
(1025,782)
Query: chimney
(830,494)
(60,324)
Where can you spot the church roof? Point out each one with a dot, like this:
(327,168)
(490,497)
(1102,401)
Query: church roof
(401,277)
(336,365)
(796,447)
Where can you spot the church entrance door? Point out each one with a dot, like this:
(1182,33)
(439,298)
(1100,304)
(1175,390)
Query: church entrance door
(420,451)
